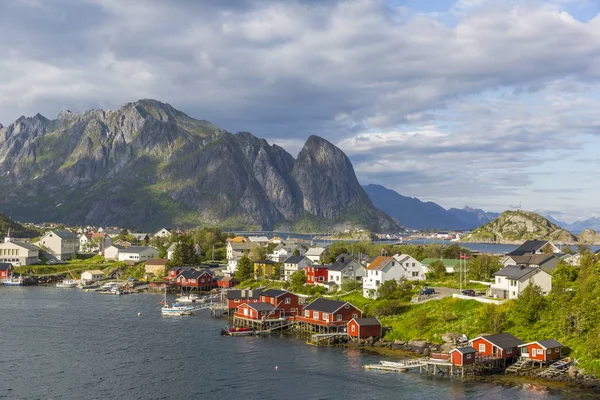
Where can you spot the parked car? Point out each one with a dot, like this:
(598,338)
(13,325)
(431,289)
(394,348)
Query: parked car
(468,292)
(427,291)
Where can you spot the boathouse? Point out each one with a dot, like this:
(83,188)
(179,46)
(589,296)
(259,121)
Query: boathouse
(227,282)
(463,356)
(5,270)
(236,298)
(501,345)
(288,303)
(362,328)
(258,311)
(196,279)
(326,315)
(317,274)
(543,350)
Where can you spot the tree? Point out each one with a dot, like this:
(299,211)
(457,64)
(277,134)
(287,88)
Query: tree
(394,290)
(245,269)
(483,267)
(177,258)
(296,251)
(297,280)
(258,253)
(349,285)
(454,251)
(531,304)
(438,269)
(276,271)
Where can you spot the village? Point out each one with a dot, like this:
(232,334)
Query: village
(317,311)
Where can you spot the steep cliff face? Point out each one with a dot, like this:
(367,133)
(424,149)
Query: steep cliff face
(148,164)
(517,226)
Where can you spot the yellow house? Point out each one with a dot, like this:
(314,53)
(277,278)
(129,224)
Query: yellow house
(237,239)
(264,269)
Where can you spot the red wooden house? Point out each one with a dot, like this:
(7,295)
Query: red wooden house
(173,272)
(501,345)
(198,279)
(316,274)
(288,302)
(227,282)
(463,356)
(5,270)
(329,313)
(362,328)
(258,312)
(542,350)
(236,298)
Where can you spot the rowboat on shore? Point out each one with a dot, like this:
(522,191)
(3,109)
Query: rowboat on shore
(227,331)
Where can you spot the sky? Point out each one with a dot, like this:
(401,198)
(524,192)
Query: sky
(486,103)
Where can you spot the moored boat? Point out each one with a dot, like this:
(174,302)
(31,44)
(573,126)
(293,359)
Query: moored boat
(233,331)
(176,309)
(192,298)
(67,283)
(12,281)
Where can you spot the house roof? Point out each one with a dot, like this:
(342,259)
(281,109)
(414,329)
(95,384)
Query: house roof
(340,265)
(502,340)
(193,273)
(157,261)
(274,293)
(226,279)
(546,344)
(240,246)
(448,262)
(325,305)
(116,246)
(464,350)
(379,263)
(532,259)
(258,239)
(135,249)
(315,251)
(294,259)
(25,245)
(367,321)
(5,266)
(530,246)
(94,272)
(65,234)
(517,272)
(261,306)
(242,294)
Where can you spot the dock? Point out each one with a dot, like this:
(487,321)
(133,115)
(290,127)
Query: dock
(321,339)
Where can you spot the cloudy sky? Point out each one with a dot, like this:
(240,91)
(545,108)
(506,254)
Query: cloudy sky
(481,102)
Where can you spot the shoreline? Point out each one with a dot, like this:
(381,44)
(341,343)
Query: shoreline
(586,382)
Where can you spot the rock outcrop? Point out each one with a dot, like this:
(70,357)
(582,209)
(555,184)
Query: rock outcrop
(148,165)
(517,226)
(589,236)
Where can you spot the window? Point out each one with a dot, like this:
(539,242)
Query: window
(293,310)
(482,347)
(557,350)
(549,351)
(415,273)
(377,283)
(316,315)
(469,356)
(236,301)
(321,279)
(524,350)
(347,306)
(498,280)
(307,313)
(352,328)
(540,352)
(509,351)
(350,268)
(338,317)
(326,317)
(354,315)
(413,264)
(288,301)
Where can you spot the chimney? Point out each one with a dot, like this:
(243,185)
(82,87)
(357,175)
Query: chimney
(8,239)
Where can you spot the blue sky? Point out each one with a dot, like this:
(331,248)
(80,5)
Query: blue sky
(485,103)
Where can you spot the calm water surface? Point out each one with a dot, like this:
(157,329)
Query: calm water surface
(68,344)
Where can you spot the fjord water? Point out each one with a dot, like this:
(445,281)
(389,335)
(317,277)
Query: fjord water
(68,344)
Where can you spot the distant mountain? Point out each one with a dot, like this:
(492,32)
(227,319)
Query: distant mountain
(149,165)
(517,226)
(416,214)
(580,226)
(555,221)
(473,217)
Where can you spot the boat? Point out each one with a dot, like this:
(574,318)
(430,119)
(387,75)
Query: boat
(233,331)
(192,298)
(175,309)
(88,285)
(67,283)
(12,281)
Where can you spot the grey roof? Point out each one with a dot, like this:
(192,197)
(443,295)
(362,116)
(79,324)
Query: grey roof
(340,264)
(274,292)
(27,246)
(261,306)
(465,350)
(66,235)
(135,249)
(241,246)
(504,340)
(325,305)
(294,259)
(5,266)
(192,273)
(243,294)
(516,272)
(367,321)
(530,246)
(547,344)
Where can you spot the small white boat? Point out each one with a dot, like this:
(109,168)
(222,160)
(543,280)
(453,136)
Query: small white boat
(192,298)
(67,283)
(12,281)
(176,309)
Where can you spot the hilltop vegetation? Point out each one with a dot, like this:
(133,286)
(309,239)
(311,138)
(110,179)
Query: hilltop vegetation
(518,226)
(16,230)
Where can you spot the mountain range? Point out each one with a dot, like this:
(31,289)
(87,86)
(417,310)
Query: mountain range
(413,213)
(149,165)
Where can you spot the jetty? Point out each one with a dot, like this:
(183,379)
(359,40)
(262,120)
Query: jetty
(322,339)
